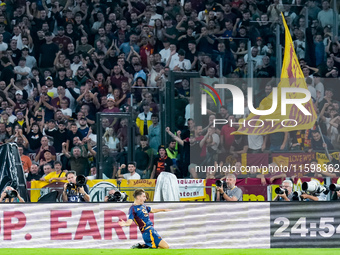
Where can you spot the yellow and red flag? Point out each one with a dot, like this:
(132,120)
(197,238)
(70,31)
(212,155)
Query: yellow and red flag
(291,77)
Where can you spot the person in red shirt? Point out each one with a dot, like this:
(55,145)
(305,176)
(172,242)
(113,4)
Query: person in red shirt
(227,138)
(117,78)
(61,39)
(147,42)
(55,102)
(101,84)
(111,108)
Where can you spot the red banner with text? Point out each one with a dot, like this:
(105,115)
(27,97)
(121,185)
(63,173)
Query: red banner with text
(294,161)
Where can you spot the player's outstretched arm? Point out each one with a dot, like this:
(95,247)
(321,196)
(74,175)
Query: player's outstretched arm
(123,223)
(159,210)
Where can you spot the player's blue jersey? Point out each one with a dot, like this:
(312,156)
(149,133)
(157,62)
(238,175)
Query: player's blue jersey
(140,215)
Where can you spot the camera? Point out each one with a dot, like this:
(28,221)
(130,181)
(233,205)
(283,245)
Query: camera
(281,191)
(81,181)
(11,193)
(117,197)
(314,188)
(70,186)
(220,184)
(297,196)
(334,187)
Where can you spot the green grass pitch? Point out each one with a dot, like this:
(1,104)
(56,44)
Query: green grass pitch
(14,251)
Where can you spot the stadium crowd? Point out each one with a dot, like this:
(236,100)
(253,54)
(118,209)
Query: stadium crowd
(64,61)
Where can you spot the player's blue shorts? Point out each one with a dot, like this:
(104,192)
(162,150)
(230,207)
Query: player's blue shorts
(151,237)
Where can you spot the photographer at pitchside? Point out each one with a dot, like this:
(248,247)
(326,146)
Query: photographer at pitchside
(228,191)
(285,193)
(75,190)
(11,195)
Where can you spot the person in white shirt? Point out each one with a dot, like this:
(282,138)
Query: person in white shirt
(257,59)
(255,143)
(27,85)
(155,72)
(189,109)
(71,85)
(22,69)
(311,87)
(51,90)
(30,60)
(288,14)
(67,112)
(17,37)
(154,15)
(300,44)
(93,175)
(165,53)
(11,117)
(325,16)
(206,14)
(132,175)
(180,64)
(100,21)
(3,45)
(76,64)
(320,89)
